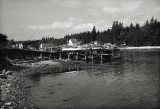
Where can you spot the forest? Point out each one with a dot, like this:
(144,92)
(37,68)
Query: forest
(132,35)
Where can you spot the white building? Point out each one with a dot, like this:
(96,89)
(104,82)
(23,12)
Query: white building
(73,42)
(19,46)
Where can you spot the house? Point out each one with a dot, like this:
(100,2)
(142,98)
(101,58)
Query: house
(48,47)
(107,45)
(123,45)
(33,45)
(73,42)
(19,46)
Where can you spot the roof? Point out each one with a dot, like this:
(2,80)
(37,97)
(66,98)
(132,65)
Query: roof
(25,42)
(47,44)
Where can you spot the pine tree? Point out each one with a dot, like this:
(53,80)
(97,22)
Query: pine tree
(93,34)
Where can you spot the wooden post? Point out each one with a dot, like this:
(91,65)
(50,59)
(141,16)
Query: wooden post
(112,55)
(49,56)
(101,58)
(92,59)
(69,69)
(77,56)
(77,67)
(60,68)
(85,59)
(68,56)
(0,93)
(59,56)
(41,55)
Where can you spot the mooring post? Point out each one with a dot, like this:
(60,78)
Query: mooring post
(77,56)
(59,56)
(41,55)
(92,59)
(49,56)
(77,67)
(60,68)
(32,55)
(85,59)
(0,93)
(112,54)
(101,58)
(68,56)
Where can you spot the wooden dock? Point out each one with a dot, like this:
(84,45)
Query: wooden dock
(86,54)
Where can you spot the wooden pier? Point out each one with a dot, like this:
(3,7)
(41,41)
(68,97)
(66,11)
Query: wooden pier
(98,54)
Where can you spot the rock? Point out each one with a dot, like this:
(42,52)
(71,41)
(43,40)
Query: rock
(1,103)
(3,76)
(3,107)
(65,100)
(8,104)
(4,71)
(9,73)
(1,72)
(8,85)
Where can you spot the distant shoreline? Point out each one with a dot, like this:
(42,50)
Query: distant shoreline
(141,47)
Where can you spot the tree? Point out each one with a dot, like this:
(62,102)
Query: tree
(3,41)
(93,34)
(132,35)
(10,43)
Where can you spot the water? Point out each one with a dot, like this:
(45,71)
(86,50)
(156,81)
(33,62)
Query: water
(130,82)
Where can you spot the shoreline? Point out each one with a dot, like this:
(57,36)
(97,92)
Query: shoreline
(139,48)
(15,88)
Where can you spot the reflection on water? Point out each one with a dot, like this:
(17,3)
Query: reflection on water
(133,81)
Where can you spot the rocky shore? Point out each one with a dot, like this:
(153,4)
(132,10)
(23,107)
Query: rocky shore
(15,92)
(15,87)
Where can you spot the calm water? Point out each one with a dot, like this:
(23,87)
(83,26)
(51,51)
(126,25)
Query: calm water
(133,81)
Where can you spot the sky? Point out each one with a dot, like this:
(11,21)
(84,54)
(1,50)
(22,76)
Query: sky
(34,19)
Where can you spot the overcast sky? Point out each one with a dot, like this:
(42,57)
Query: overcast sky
(33,19)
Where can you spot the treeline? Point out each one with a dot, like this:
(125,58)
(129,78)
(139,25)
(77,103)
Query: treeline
(132,35)
(55,41)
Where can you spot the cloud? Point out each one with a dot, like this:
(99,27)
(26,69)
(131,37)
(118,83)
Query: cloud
(157,10)
(73,19)
(93,12)
(54,25)
(111,10)
(87,26)
(67,3)
(73,2)
(131,6)
(103,24)
(126,7)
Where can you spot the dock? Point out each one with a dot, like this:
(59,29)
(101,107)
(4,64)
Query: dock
(86,54)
